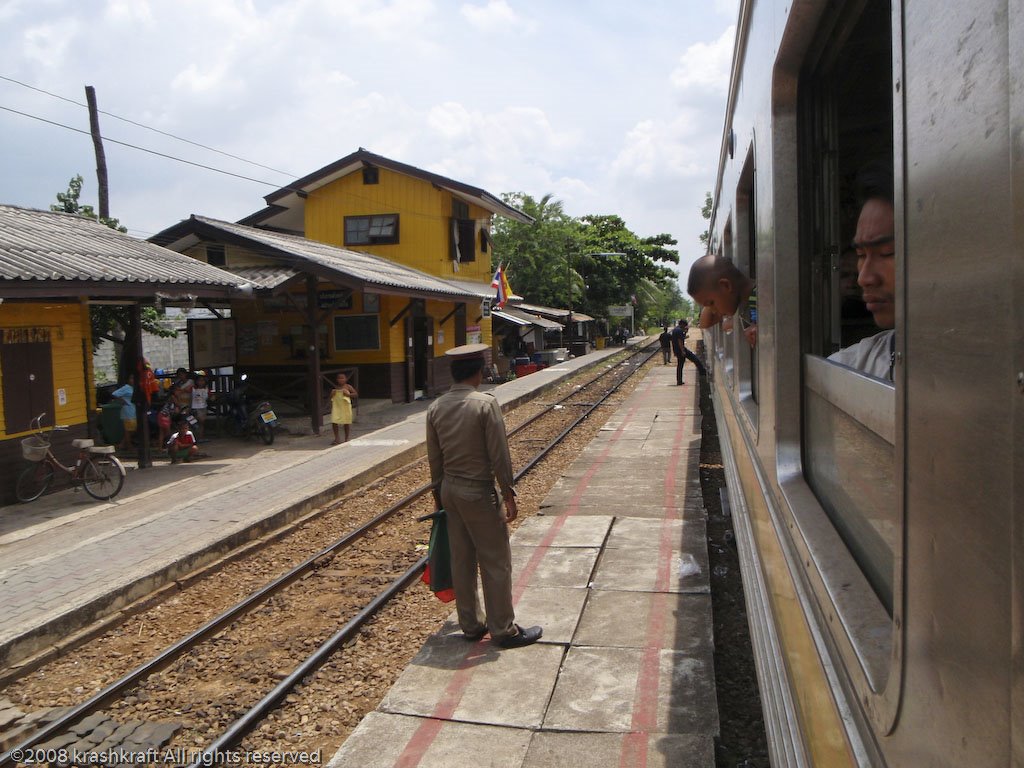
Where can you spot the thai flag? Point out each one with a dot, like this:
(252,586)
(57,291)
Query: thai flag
(500,283)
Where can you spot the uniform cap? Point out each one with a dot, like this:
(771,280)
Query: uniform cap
(467,351)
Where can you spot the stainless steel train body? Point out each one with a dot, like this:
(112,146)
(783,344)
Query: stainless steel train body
(880,522)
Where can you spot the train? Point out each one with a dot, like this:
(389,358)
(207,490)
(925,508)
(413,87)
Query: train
(878,518)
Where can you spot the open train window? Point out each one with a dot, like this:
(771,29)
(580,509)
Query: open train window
(846,157)
(746,260)
(724,350)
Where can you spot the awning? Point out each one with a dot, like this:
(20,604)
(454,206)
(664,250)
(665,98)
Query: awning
(553,313)
(518,317)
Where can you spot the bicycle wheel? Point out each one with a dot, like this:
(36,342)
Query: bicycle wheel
(33,482)
(266,433)
(102,478)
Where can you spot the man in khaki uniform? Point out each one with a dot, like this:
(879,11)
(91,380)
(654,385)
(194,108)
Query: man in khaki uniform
(468,449)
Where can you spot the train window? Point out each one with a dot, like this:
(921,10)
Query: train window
(846,161)
(746,260)
(721,340)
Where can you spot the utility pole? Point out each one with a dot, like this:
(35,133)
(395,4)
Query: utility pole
(101,158)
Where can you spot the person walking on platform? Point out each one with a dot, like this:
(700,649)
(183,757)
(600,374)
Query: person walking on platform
(666,346)
(468,450)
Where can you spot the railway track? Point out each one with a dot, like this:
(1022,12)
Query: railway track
(251,647)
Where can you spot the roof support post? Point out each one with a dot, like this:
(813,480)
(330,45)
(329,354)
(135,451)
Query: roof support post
(140,395)
(313,357)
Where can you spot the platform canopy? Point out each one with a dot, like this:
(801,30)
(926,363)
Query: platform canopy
(353,269)
(553,313)
(45,254)
(518,317)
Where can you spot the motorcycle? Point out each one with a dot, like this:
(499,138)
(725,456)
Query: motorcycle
(258,421)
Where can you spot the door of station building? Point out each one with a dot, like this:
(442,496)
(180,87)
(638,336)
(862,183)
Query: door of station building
(27,383)
(419,351)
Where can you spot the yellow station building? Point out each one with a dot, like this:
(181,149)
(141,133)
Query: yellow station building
(377,265)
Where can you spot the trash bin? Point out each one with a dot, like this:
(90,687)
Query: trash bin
(599,342)
(111,426)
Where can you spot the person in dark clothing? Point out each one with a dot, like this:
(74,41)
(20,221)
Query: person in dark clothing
(679,334)
(666,345)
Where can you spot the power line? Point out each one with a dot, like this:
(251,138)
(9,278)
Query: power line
(148,128)
(298,190)
(149,151)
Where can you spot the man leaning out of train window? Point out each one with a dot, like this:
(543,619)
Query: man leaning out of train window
(722,291)
(875,244)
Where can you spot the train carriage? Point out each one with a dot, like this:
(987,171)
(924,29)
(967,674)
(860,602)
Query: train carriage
(879,517)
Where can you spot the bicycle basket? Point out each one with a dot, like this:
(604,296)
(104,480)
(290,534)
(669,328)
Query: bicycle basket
(34,448)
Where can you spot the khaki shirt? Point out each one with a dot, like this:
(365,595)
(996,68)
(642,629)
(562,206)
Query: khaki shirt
(466,438)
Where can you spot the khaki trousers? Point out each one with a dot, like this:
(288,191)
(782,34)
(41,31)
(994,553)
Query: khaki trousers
(479,538)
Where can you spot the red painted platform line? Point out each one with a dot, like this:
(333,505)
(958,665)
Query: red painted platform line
(645,697)
(577,496)
(420,741)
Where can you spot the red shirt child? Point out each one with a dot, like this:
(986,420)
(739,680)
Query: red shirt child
(182,444)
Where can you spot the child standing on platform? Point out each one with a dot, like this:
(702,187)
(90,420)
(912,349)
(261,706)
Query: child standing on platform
(341,407)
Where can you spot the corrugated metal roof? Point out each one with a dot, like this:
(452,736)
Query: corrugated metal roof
(264,277)
(559,314)
(364,269)
(519,317)
(474,287)
(511,318)
(45,246)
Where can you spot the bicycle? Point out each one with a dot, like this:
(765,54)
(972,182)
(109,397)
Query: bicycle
(96,468)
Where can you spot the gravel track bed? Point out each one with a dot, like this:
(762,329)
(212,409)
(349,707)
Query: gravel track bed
(207,688)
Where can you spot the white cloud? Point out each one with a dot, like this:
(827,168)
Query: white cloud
(496,14)
(706,65)
(47,45)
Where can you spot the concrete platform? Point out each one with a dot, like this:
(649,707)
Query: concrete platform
(616,570)
(67,560)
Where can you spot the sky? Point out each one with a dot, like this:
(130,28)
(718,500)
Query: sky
(612,107)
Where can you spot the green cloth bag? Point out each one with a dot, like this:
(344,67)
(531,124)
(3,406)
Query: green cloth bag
(438,573)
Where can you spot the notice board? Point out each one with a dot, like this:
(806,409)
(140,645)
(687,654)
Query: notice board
(211,343)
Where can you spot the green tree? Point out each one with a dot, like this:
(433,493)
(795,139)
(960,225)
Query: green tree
(535,254)
(110,322)
(559,256)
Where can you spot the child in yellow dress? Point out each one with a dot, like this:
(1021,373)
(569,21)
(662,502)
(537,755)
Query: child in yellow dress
(341,406)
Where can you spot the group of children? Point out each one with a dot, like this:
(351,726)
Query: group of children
(186,405)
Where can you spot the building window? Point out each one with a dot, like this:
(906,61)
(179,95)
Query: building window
(463,236)
(215,255)
(371,175)
(356,332)
(371,230)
